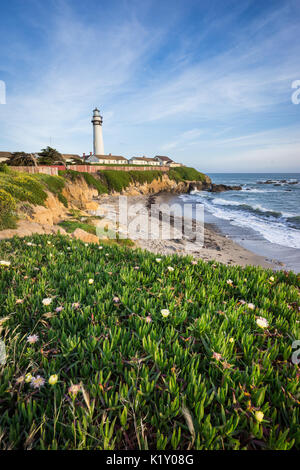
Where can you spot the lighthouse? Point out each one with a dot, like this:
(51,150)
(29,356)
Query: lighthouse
(97,127)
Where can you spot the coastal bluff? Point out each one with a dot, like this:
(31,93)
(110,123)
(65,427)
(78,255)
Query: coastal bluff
(167,184)
(51,201)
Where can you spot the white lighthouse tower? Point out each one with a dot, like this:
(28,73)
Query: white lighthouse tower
(97,127)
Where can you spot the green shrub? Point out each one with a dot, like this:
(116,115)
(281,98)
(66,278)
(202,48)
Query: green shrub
(32,188)
(17,191)
(34,191)
(7,202)
(7,208)
(4,168)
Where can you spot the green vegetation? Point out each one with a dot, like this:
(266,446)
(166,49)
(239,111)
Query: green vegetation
(112,180)
(204,376)
(88,177)
(7,209)
(120,242)
(184,173)
(86,223)
(118,180)
(54,184)
(71,225)
(50,156)
(22,187)
(22,159)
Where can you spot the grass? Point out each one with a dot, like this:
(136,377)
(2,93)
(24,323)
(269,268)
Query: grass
(186,174)
(71,225)
(193,380)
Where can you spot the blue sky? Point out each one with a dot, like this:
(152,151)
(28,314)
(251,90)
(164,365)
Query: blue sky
(206,82)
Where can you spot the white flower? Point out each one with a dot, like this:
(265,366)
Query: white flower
(91,281)
(262,322)
(158,260)
(194,262)
(37,382)
(170,269)
(48,242)
(116,300)
(165,312)
(5,263)
(31,339)
(100,247)
(47,301)
(272,279)
(229,281)
(251,306)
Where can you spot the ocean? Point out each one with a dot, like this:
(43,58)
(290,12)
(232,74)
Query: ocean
(264,216)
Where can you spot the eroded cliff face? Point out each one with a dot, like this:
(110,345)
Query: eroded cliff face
(79,196)
(82,197)
(165,185)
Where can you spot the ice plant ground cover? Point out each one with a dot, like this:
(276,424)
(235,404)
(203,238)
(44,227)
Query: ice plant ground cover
(100,366)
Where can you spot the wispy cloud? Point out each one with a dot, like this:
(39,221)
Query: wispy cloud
(185,81)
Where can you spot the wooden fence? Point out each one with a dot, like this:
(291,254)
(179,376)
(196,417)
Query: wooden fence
(53,170)
(49,170)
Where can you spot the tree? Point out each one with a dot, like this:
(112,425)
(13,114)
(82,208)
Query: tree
(22,159)
(50,156)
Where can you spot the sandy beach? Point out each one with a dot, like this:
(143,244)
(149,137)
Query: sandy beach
(216,246)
